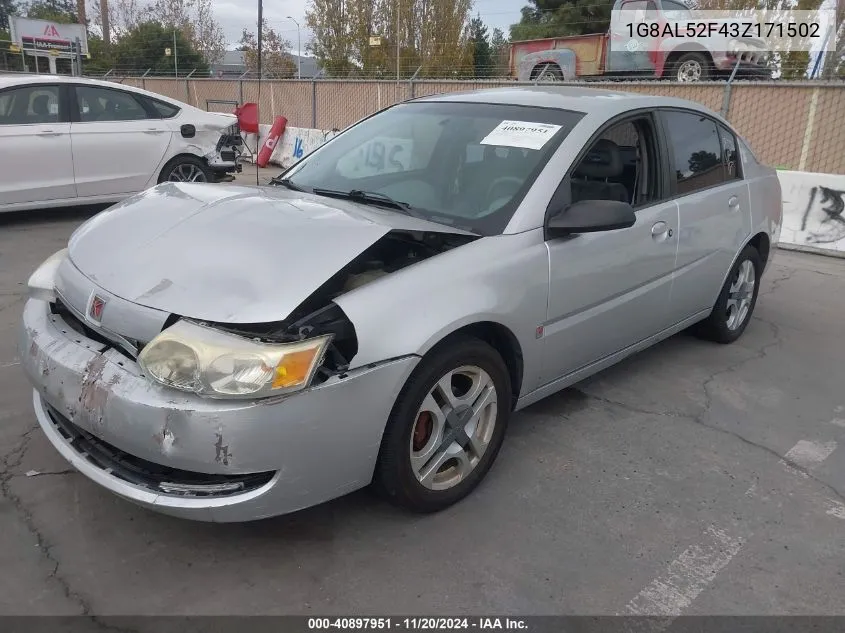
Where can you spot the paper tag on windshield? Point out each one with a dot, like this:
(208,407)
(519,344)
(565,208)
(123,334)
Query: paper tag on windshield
(521,134)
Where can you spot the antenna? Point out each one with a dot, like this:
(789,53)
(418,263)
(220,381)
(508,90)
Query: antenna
(258,104)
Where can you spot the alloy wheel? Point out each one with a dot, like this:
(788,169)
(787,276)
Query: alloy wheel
(740,295)
(453,427)
(187,173)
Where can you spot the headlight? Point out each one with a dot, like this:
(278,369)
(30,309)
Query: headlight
(206,361)
(41,284)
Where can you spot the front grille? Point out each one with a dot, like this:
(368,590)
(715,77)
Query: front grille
(127,347)
(154,477)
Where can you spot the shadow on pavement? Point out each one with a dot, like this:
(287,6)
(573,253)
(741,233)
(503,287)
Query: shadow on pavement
(56,214)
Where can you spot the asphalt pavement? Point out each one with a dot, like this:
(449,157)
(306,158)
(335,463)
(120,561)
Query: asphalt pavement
(693,478)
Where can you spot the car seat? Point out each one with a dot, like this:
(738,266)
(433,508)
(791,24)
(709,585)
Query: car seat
(590,180)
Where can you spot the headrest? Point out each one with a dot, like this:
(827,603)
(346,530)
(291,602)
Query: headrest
(41,104)
(604,160)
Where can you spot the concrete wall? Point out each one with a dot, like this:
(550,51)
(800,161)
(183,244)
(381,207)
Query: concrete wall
(295,143)
(813,217)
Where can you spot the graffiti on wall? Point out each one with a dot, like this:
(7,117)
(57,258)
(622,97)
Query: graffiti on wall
(824,220)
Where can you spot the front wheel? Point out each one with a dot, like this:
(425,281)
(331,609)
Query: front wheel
(692,67)
(186,169)
(735,305)
(446,427)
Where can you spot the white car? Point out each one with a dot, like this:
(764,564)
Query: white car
(69,140)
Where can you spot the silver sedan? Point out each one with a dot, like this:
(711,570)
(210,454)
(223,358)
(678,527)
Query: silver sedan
(229,353)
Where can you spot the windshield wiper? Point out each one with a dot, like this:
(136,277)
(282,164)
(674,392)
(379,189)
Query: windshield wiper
(286,182)
(368,197)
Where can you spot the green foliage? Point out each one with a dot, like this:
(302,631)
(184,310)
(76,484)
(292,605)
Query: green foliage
(482,56)
(559,18)
(144,47)
(62,11)
(7,8)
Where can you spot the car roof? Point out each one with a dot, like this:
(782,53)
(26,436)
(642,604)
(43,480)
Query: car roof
(604,103)
(28,79)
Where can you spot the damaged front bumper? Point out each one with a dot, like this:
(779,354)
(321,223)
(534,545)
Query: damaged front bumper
(195,457)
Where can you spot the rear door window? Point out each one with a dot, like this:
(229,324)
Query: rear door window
(696,151)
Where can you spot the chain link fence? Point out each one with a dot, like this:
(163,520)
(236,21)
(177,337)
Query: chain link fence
(790,125)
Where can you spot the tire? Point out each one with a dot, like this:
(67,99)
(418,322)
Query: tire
(692,67)
(549,72)
(186,165)
(718,327)
(404,438)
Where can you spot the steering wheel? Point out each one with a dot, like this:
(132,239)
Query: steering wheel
(502,180)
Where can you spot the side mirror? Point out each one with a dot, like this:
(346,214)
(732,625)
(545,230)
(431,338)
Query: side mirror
(591,216)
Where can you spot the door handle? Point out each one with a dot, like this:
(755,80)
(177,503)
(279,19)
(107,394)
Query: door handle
(152,130)
(733,202)
(660,229)
(49,133)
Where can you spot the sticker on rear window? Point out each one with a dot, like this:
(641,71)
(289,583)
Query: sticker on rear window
(522,134)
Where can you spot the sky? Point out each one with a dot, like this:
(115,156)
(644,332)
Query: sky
(235,15)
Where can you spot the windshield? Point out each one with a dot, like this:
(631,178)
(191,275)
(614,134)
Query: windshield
(676,10)
(467,165)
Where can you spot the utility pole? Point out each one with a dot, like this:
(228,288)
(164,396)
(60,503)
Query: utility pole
(298,50)
(398,40)
(104,18)
(175,55)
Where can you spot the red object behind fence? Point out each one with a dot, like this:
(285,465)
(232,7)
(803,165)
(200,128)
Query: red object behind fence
(270,143)
(248,117)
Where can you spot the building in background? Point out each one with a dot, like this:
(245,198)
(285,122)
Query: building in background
(233,66)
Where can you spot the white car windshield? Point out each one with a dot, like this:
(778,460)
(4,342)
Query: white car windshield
(463,164)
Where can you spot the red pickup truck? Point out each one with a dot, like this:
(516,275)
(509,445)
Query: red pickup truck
(677,59)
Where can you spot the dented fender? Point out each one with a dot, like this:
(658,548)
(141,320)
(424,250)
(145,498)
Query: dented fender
(502,279)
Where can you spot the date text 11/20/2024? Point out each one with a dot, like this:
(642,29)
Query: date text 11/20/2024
(417,624)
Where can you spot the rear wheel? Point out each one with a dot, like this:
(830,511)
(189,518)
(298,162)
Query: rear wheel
(446,427)
(692,67)
(735,305)
(548,72)
(186,169)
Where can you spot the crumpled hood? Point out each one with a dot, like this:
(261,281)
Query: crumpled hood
(227,253)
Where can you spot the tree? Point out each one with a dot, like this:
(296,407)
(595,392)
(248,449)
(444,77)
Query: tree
(276,60)
(8,8)
(431,36)
(482,58)
(123,16)
(559,18)
(144,47)
(63,11)
(195,19)
(500,50)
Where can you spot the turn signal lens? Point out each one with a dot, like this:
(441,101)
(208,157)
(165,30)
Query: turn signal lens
(295,368)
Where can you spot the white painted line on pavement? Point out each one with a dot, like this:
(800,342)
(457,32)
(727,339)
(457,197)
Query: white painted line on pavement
(835,509)
(808,454)
(10,364)
(687,576)
(838,422)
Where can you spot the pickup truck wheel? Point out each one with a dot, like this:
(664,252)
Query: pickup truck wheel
(549,72)
(692,67)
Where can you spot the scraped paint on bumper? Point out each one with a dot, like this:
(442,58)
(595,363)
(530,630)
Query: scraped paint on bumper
(310,447)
